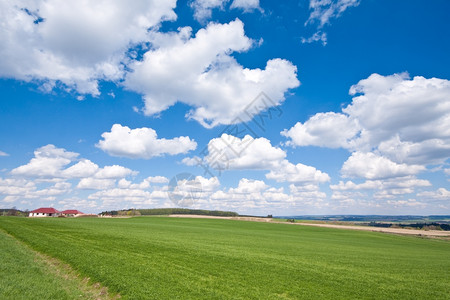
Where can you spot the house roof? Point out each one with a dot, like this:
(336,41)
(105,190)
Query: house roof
(45,210)
(72,212)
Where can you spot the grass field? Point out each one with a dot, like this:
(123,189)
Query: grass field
(177,258)
(25,274)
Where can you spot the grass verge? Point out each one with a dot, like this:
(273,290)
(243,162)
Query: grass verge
(27,274)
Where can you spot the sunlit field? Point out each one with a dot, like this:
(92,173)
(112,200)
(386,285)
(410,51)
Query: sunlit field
(180,258)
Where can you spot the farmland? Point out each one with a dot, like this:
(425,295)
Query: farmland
(170,258)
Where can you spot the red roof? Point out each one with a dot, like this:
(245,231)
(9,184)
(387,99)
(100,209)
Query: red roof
(72,212)
(45,210)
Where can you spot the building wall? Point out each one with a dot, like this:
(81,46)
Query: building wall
(43,215)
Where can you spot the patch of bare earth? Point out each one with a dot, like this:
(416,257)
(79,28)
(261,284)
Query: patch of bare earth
(429,233)
(426,233)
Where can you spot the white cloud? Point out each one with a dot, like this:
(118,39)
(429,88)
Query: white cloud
(47,162)
(406,203)
(113,172)
(50,163)
(142,143)
(70,203)
(332,130)
(401,124)
(310,194)
(192,191)
(230,152)
(440,194)
(74,43)
(208,185)
(83,168)
(122,198)
(249,186)
(299,173)
(157,179)
(3,153)
(203,8)
(317,36)
(406,183)
(90,183)
(248,194)
(201,72)
(192,161)
(431,151)
(371,166)
(324,10)
(386,195)
(18,189)
(246,5)
(415,110)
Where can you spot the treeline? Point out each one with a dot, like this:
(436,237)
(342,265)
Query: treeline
(425,226)
(170,211)
(13,212)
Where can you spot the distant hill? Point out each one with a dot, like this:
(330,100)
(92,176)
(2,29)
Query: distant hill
(433,222)
(169,211)
(372,218)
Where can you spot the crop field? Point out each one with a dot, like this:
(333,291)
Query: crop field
(181,258)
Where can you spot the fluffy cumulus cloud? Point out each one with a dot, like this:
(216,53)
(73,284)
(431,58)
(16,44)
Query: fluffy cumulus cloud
(257,195)
(3,153)
(403,120)
(15,189)
(332,130)
(70,181)
(200,71)
(299,173)
(74,43)
(48,162)
(372,166)
(55,177)
(203,8)
(395,128)
(142,143)
(228,152)
(83,168)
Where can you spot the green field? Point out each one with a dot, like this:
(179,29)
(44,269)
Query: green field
(181,258)
(25,274)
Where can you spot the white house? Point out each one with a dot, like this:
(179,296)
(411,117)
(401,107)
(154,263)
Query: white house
(45,212)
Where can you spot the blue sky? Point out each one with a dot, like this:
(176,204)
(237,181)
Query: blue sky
(104,103)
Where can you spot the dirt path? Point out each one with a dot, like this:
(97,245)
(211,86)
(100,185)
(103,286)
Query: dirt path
(428,233)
